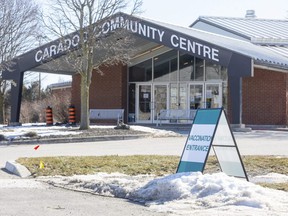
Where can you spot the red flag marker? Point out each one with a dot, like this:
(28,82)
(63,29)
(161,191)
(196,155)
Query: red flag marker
(36,147)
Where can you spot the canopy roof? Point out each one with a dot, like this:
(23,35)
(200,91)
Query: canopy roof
(176,37)
(237,55)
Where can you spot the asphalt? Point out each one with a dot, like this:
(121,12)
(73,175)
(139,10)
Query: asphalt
(270,141)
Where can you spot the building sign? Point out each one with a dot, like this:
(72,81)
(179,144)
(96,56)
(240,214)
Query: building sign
(161,35)
(142,28)
(59,47)
(211,129)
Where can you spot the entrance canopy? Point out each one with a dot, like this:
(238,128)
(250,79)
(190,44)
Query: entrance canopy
(234,54)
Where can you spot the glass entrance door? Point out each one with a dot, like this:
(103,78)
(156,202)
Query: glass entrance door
(152,98)
(143,110)
(196,96)
(160,99)
(213,95)
(148,104)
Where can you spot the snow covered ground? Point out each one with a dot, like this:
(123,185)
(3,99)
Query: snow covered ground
(16,132)
(176,194)
(20,131)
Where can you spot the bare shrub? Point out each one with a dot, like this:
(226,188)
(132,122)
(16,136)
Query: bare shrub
(2,137)
(35,111)
(28,112)
(31,134)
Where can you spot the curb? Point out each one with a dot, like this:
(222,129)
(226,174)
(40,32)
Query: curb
(73,139)
(17,169)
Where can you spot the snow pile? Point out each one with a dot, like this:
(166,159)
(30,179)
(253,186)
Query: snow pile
(184,192)
(114,185)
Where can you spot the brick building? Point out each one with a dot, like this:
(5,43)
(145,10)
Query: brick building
(240,64)
(264,94)
(62,89)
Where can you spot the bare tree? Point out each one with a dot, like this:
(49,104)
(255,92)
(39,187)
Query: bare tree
(18,26)
(95,51)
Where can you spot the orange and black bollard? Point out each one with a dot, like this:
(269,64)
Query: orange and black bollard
(72,115)
(49,116)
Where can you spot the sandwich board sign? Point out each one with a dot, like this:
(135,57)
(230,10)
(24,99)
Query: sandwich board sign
(210,129)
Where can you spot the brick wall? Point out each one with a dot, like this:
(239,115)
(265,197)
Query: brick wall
(265,98)
(106,91)
(287,99)
(60,92)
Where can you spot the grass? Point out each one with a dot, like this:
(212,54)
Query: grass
(130,165)
(147,164)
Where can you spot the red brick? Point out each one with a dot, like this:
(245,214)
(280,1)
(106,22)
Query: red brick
(107,90)
(265,98)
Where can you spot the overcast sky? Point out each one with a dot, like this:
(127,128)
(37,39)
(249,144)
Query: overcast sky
(185,12)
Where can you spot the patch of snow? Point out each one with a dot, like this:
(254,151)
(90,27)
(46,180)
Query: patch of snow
(41,130)
(184,193)
(270,178)
(155,132)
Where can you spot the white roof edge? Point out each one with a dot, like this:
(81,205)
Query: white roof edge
(244,18)
(266,67)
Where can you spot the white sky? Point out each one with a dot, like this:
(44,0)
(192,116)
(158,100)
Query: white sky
(185,12)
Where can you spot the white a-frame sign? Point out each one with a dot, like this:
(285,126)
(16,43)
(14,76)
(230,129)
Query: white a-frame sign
(210,128)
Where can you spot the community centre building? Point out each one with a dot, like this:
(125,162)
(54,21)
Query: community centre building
(240,64)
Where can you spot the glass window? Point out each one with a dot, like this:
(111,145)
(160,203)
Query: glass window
(191,69)
(199,69)
(141,72)
(215,72)
(186,67)
(165,67)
